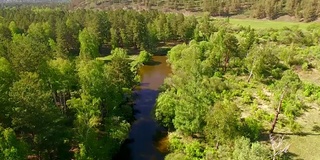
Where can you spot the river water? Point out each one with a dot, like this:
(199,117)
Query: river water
(147,140)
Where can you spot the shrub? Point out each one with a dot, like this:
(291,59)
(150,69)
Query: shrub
(144,57)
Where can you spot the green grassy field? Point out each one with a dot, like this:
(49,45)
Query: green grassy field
(264,24)
(306,145)
(108,58)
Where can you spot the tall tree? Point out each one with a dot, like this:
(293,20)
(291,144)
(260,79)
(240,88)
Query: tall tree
(285,89)
(222,123)
(6,79)
(35,115)
(89,44)
(228,47)
(27,54)
(262,63)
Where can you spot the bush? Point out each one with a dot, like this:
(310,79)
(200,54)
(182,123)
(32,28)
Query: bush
(244,150)
(194,150)
(144,57)
(252,128)
(176,156)
(305,66)
(176,143)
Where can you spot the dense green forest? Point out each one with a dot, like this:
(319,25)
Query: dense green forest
(60,101)
(304,10)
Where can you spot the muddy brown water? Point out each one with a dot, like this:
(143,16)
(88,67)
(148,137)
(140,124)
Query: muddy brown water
(147,139)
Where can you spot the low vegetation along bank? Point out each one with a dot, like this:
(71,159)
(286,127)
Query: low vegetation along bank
(234,91)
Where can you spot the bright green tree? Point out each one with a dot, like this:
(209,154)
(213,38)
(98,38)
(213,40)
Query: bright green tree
(11,148)
(89,44)
(222,123)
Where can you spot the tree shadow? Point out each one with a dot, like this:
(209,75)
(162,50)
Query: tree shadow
(298,134)
(125,151)
(144,84)
(146,134)
(290,156)
(153,63)
(316,128)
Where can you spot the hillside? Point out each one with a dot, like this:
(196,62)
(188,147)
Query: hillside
(304,10)
(32,1)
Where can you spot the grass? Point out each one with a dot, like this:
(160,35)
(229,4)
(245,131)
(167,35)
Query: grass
(312,76)
(108,58)
(304,145)
(265,24)
(307,144)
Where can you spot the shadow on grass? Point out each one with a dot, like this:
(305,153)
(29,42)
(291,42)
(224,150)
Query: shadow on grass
(290,156)
(153,63)
(299,134)
(316,128)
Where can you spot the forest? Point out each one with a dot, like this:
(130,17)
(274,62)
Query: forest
(301,10)
(67,80)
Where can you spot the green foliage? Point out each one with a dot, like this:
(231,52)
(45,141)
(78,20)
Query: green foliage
(88,117)
(5,33)
(61,74)
(165,110)
(34,112)
(91,78)
(144,57)
(262,63)
(252,128)
(119,70)
(289,83)
(176,156)
(119,53)
(6,79)
(285,96)
(40,32)
(82,154)
(244,150)
(57,101)
(194,150)
(89,44)
(119,129)
(249,39)
(223,123)
(311,90)
(27,54)
(176,143)
(11,148)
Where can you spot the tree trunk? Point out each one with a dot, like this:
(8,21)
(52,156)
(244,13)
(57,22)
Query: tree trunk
(217,145)
(64,103)
(250,76)
(54,95)
(226,61)
(275,120)
(251,72)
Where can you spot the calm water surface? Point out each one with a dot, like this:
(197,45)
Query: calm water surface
(147,140)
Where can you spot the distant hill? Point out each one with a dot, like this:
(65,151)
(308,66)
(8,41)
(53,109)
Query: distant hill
(33,1)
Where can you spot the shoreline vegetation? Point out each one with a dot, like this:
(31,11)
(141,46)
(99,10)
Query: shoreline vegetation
(240,89)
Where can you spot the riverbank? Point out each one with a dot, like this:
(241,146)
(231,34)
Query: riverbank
(147,139)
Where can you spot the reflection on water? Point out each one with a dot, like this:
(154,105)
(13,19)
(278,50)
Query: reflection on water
(147,140)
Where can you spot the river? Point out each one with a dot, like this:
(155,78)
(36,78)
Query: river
(147,140)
